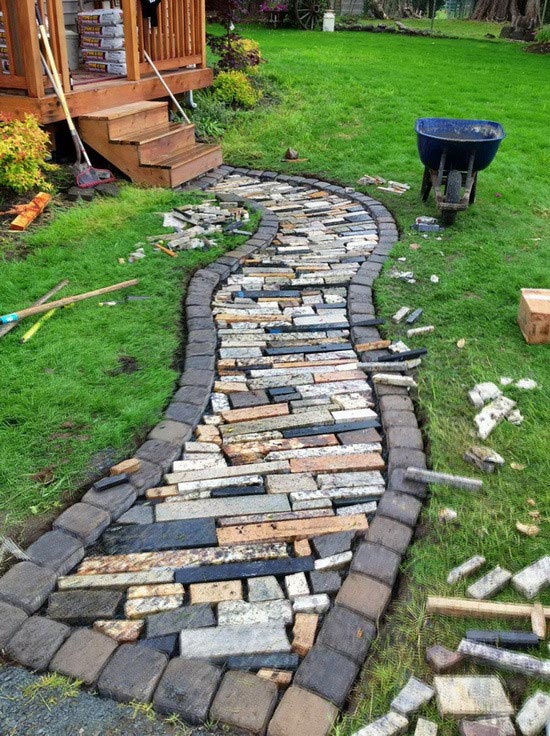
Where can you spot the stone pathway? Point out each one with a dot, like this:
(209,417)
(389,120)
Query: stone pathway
(256,547)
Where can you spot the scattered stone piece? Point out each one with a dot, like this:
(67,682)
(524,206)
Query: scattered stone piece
(412,697)
(302,548)
(505,660)
(296,585)
(490,584)
(534,714)
(515,417)
(334,562)
(503,724)
(526,383)
(465,569)
(172,622)
(142,607)
(425,728)
(121,631)
(530,530)
(391,724)
(475,728)
(434,279)
(443,660)
(126,466)
(463,696)
(241,613)
(420,330)
(447,516)
(454,481)
(492,414)
(482,393)
(533,578)
(325,582)
(83,606)
(484,458)
(400,314)
(333,544)
(507,639)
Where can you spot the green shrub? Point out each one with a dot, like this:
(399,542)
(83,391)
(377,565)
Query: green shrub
(543,36)
(212,116)
(24,147)
(235,88)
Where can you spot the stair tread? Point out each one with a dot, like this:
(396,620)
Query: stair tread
(189,154)
(131,108)
(151,134)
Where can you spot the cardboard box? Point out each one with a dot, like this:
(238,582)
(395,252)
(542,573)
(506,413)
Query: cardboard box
(534,316)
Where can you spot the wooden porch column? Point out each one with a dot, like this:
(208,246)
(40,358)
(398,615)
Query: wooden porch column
(131,39)
(30,50)
(58,41)
(202,16)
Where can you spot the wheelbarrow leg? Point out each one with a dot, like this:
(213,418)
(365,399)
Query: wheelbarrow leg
(426,184)
(473,190)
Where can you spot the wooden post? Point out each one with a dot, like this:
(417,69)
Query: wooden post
(131,39)
(28,37)
(58,41)
(202,15)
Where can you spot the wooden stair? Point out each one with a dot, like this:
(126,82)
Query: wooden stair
(139,140)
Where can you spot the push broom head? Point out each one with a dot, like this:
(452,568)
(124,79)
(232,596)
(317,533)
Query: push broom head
(90,177)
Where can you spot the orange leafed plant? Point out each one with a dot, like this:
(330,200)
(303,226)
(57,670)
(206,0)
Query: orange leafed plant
(23,152)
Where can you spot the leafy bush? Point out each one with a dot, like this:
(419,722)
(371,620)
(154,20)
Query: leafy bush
(23,152)
(236,53)
(543,36)
(212,116)
(235,88)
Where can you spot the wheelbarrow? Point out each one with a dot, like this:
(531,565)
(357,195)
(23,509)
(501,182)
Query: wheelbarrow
(453,152)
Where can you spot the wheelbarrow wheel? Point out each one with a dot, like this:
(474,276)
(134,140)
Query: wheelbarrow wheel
(452,195)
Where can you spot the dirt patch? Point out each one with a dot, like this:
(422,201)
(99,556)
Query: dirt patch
(126,364)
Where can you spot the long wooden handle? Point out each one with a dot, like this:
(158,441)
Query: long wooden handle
(61,285)
(479,609)
(38,309)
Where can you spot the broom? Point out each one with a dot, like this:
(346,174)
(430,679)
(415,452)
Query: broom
(87,176)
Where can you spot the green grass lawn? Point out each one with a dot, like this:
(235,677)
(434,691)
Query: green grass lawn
(456,28)
(350,102)
(67,406)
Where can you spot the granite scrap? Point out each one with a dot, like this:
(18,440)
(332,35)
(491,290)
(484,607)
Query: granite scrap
(412,697)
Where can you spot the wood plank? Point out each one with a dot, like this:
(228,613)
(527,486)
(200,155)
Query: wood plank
(290,530)
(462,607)
(129,19)
(30,51)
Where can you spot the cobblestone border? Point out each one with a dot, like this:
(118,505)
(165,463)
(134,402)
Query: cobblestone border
(129,672)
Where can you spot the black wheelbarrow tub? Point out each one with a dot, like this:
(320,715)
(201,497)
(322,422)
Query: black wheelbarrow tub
(458,139)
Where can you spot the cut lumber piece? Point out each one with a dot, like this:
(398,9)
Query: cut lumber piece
(456,481)
(538,621)
(480,609)
(40,308)
(291,530)
(42,300)
(29,212)
(502,659)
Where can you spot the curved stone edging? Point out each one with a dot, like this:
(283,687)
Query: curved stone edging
(328,671)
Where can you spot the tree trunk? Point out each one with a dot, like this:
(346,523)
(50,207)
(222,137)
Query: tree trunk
(378,10)
(508,10)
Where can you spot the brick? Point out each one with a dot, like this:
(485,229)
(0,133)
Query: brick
(425,728)
(406,437)
(115,500)
(396,403)
(399,419)
(255,412)
(325,582)
(390,534)
(302,548)
(221,642)
(36,642)
(412,697)
(391,724)
(159,452)
(187,688)
(148,476)
(327,673)
(348,633)
(244,702)
(377,562)
(244,399)
(475,728)
(364,595)
(443,660)
(142,607)
(11,620)
(126,466)
(358,436)
(264,589)
(401,507)
(83,606)
(132,674)
(334,463)
(57,551)
(171,431)
(27,586)
(83,521)
(247,662)
(311,603)
(294,715)
(83,655)
(534,714)
(398,482)
(490,584)
(303,632)
(229,590)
